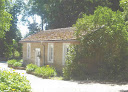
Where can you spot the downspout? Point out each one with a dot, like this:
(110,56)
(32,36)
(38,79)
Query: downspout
(43,53)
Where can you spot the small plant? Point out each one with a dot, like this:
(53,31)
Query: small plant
(16,54)
(11,62)
(17,64)
(45,71)
(13,82)
(31,67)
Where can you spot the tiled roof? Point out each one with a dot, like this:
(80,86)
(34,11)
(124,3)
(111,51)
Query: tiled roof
(52,35)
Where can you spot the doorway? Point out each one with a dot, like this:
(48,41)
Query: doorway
(37,56)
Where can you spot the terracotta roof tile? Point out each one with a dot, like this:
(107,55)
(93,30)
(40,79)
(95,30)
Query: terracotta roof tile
(52,34)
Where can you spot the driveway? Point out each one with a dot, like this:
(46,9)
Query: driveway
(48,85)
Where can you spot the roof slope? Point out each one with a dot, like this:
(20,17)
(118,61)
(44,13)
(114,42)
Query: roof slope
(52,35)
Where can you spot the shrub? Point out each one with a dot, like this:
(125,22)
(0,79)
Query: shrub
(103,50)
(45,71)
(31,67)
(12,81)
(17,64)
(16,54)
(11,62)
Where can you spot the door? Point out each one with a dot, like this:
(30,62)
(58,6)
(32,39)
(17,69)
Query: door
(37,56)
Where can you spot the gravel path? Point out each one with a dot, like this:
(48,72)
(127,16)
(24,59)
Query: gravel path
(48,85)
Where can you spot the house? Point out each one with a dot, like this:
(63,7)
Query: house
(48,47)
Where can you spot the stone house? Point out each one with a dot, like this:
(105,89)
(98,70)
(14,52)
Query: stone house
(48,47)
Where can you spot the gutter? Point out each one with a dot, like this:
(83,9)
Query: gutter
(49,41)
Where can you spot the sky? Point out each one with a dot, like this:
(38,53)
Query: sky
(23,27)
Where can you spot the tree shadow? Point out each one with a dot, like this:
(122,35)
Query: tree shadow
(3,61)
(123,90)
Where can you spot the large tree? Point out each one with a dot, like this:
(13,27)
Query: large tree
(103,49)
(64,13)
(7,46)
(5,18)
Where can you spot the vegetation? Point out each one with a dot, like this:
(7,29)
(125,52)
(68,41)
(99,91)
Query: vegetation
(31,68)
(11,62)
(45,71)
(9,43)
(13,82)
(17,64)
(14,63)
(103,51)
(5,18)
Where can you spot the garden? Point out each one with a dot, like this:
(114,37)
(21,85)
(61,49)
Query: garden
(10,81)
(44,71)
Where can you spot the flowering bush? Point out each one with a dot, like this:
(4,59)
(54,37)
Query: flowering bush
(45,71)
(31,67)
(11,81)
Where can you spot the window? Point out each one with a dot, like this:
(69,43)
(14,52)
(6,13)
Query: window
(65,51)
(28,50)
(50,52)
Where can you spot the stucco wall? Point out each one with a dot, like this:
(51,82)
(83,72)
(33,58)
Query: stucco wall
(58,54)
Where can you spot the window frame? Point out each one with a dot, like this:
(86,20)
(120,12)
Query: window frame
(28,50)
(65,45)
(50,57)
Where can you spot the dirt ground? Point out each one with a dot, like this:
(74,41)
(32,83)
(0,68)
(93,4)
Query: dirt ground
(49,85)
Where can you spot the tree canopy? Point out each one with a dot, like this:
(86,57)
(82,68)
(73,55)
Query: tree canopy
(5,18)
(103,48)
(64,13)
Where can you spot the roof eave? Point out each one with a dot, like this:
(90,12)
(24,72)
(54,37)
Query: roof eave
(48,41)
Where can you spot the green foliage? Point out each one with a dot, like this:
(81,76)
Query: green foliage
(52,12)
(124,5)
(11,62)
(31,68)
(12,81)
(10,42)
(16,54)
(5,18)
(45,71)
(103,48)
(17,64)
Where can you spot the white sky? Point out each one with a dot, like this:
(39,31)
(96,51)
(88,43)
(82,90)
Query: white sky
(24,28)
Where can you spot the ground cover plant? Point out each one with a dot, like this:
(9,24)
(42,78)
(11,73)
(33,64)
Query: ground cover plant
(11,62)
(11,81)
(31,68)
(14,63)
(45,71)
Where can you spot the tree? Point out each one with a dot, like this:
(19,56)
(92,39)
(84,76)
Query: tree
(5,18)
(7,46)
(64,13)
(33,28)
(103,49)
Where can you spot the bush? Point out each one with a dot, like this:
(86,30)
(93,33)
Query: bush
(45,71)
(103,50)
(31,67)
(11,62)
(12,81)
(17,64)
(16,54)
